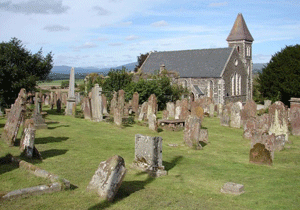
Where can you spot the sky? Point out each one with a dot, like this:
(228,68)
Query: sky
(109,33)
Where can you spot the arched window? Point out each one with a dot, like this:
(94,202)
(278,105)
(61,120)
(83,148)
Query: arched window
(232,85)
(236,84)
(240,85)
(248,51)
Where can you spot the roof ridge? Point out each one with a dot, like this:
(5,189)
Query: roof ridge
(193,50)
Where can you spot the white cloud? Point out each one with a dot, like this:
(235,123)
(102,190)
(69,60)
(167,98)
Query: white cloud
(131,37)
(161,23)
(219,4)
(35,7)
(55,28)
(101,11)
(116,44)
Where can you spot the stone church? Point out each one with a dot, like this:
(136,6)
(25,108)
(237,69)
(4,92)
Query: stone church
(224,74)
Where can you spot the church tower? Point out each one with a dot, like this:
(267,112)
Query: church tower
(241,39)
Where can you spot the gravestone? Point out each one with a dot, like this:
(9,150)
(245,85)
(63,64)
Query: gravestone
(171,110)
(249,110)
(184,113)
(220,109)
(143,112)
(295,116)
(15,119)
(211,110)
(197,110)
(77,98)
(71,101)
(249,127)
(119,110)
(86,108)
(233,188)
(165,114)
(192,132)
(278,119)
(64,97)
(47,100)
(104,104)
(135,103)
(177,109)
(96,104)
(113,103)
(39,121)
(225,118)
(152,105)
(152,122)
(267,103)
(58,106)
(27,139)
(108,178)
(148,155)
(235,117)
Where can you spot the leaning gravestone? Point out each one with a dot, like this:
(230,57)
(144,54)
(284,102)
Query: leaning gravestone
(152,105)
(278,119)
(27,140)
(86,108)
(295,116)
(148,155)
(194,136)
(15,118)
(108,178)
(235,117)
(143,112)
(104,104)
(113,104)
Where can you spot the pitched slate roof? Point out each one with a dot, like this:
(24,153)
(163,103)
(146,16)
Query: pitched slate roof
(198,90)
(240,30)
(189,63)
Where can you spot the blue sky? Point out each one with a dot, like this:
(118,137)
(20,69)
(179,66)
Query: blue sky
(107,33)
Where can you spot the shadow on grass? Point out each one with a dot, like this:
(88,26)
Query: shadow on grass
(46,140)
(51,128)
(126,189)
(52,152)
(6,164)
(2,125)
(173,163)
(54,112)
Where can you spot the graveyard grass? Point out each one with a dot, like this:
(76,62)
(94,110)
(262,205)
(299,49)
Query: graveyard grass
(73,148)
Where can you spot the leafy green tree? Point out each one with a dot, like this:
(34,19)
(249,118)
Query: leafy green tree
(19,68)
(280,79)
(141,60)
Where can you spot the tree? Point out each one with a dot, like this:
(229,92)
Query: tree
(19,68)
(280,79)
(141,60)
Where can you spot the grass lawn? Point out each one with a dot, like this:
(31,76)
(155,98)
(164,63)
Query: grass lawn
(58,82)
(73,148)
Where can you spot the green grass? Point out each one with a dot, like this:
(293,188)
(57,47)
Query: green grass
(73,148)
(58,82)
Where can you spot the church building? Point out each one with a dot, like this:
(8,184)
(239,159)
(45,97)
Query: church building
(224,74)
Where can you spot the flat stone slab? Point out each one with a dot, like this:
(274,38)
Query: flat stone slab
(37,190)
(171,121)
(233,188)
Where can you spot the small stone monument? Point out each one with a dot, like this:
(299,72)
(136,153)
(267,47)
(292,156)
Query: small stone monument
(86,108)
(148,155)
(278,119)
(295,116)
(108,178)
(233,188)
(96,104)
(171,110)
(235,117)
(71,101)
(194,136)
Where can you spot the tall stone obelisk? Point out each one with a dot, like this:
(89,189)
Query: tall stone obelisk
(71,101)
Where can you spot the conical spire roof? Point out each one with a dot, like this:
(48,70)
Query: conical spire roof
(239,30)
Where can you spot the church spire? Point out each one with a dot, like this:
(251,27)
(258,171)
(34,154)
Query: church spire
(239,30)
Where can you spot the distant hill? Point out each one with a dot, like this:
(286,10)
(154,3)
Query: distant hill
(257,67)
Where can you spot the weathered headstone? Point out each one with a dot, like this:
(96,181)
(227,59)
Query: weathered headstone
(177,109)
(295,116)
(192,132)
(15,118)
(220,109)
(233,188)
(235,117)
(47,100)
(108,178)
(267,103)
(64,97)
(248,111)
(249,127)
(148,155)
(77,98)
(165,114)
(184,113)
(27,139)
(197,110)
(119,110)
(152,105)
(135,103)
(171,110)
(96,104)
(278,119)
(104,104)
(113,103)
(211,110)
(225,118)
(152,122)
(143,112)
(86,108)
(58,105)
(71,101)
